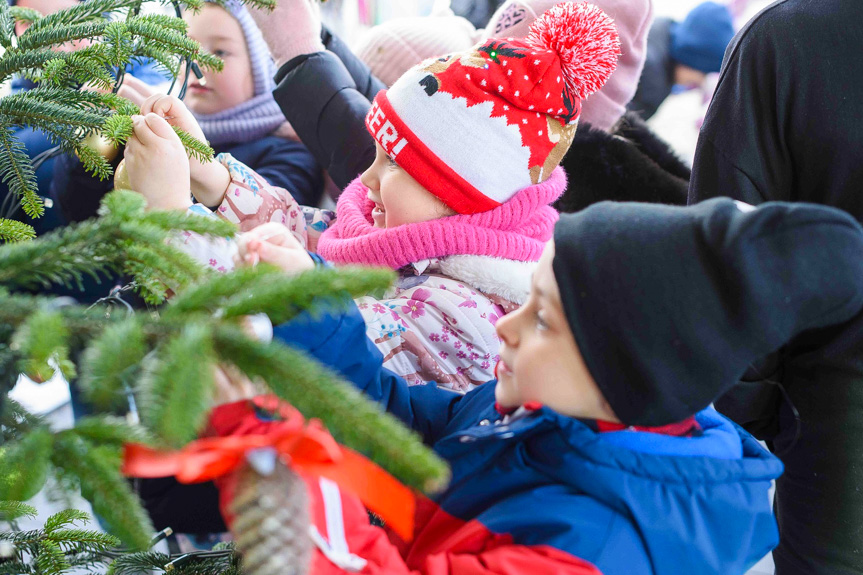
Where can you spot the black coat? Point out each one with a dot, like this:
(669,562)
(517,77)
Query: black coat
(631,164)
(785,124)
(325,96)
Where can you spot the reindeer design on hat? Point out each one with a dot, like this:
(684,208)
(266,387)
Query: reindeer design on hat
(508,74)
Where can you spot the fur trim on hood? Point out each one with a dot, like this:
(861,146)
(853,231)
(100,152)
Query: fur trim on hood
(631,164)
(496,277)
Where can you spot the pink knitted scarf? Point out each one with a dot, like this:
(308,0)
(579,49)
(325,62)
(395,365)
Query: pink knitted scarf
(516,230)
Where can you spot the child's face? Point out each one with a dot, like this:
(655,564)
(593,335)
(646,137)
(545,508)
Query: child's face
(399,199)
(539,358)
(220,34)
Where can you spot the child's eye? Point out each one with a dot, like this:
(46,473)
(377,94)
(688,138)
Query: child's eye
(221,53)
(392,163)
(540,322)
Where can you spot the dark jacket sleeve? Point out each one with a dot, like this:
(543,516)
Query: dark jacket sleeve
(326,100)
(338,339)
(76,191)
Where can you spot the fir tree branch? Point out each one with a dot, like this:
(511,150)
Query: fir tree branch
(94,162)
(17,62)
(25,15)
(41,339)
(33,39)
(110,362)
(194,147)
(26,110)
(61,257)
(174,220)
(24,465)
(63,519)
(7,27)
(15,421)
(351,418)
(15,231)
(109,430)
(144,27)
(50,559)
(16,171)
(304,292)
(84,12)
(10,510)
(101,484)
(178,387)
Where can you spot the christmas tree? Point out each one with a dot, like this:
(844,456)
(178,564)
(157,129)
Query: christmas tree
(160,363)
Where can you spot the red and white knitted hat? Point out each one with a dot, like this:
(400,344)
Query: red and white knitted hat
(474,128)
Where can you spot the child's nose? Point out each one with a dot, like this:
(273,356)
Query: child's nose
(507,329)
(369,178)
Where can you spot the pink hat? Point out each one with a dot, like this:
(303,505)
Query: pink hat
(474,128)
(632,19)
(391,48)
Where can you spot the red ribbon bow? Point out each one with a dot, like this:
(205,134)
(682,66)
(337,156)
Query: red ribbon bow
(306,448)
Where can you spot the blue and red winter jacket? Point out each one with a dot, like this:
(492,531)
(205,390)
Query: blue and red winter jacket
(536,483)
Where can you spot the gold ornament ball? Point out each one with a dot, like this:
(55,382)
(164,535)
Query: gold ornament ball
(121,177)
(102,145)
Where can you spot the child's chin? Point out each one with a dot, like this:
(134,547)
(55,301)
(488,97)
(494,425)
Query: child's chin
(505,396)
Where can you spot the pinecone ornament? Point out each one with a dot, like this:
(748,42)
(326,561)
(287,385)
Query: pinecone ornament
(271,518)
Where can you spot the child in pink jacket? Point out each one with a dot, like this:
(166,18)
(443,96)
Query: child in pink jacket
(458,197)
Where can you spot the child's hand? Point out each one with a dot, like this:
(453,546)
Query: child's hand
(174,111)
(231,385)
(209,180)
(273,244)
(291,29)
(136,91)
(157,164)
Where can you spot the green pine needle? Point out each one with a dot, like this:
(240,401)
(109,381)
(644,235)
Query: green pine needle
(7,27)
(15,231)
(25,15)
(16,171)
(41,340)
(64,519)
(33,39)
(51,560)
(110,363)
(24,465)
(109,430)
(178,386)
(106,489)
(10,510)
(195,147)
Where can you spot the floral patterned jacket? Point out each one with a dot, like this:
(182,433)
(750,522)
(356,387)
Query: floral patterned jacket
(436,323)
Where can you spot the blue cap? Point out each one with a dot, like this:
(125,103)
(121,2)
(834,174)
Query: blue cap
(700,40)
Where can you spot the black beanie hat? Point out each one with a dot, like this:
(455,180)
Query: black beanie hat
(669,305)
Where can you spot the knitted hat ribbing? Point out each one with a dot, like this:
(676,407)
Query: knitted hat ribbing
(475,127)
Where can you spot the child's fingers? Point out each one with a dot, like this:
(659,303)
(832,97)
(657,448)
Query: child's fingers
(272,232)
(137,85)
(132,95)
(159,129)
(162,105)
